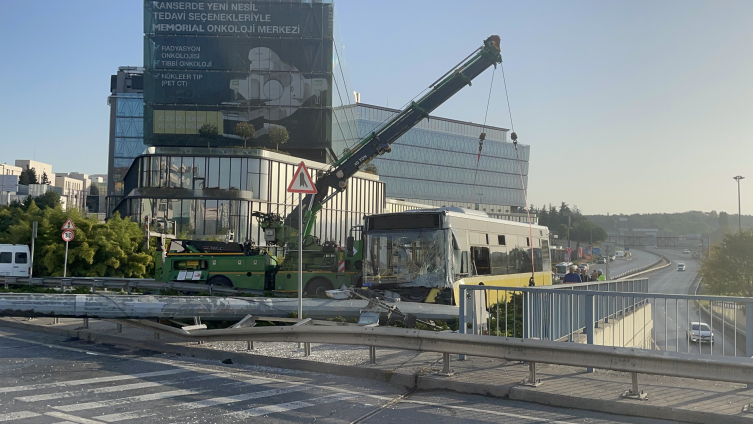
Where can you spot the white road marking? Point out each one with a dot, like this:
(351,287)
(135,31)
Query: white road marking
(477,411)
(72,418)
(290,406)
(91,380)
(113,418)
(242,397)
(123,387)
(17,415)
(126,400)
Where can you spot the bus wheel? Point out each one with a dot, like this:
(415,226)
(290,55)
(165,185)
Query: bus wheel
(318,286)
(220,280)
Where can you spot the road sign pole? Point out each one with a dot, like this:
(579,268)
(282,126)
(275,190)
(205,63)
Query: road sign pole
(300,258)
(65,264)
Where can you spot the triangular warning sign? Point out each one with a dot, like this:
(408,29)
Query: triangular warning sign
(302,181)
(68,225)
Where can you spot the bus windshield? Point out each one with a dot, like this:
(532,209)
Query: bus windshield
(409,257)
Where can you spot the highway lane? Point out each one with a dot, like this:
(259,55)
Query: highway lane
(51,380)
(639,259)
(671,319)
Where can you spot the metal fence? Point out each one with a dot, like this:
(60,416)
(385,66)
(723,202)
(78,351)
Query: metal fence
(613,313)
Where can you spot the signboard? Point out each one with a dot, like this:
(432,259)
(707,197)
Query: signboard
(607,248)
(68,235)
(301,182)
(68,225)
(226,62)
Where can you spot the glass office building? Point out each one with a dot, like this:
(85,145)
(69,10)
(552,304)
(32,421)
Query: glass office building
(434,163)
(126,102)
(208,191)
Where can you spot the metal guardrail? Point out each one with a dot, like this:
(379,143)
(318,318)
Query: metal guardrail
(569,312)
(630,360)
(663,260)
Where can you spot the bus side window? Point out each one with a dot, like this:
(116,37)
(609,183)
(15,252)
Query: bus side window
(464,263)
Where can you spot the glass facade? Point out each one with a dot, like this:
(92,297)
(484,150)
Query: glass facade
(128,140)
(436,160)
(210,191)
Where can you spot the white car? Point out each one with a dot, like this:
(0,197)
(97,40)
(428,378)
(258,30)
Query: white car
(681,267)
(700,332)
(686,251)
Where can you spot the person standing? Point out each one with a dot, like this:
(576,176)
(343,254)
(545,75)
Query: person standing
(601,276)
(594,276)
(584,276)
(572,277)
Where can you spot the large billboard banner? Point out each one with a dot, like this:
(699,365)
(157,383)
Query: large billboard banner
(265,63)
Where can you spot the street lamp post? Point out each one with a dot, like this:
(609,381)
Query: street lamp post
(739,216)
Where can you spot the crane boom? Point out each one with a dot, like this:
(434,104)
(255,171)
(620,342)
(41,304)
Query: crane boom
(379,141)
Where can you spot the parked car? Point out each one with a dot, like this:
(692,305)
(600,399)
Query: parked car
(700,332)
(681,267)
(686,251)
(602,261)
(583,266)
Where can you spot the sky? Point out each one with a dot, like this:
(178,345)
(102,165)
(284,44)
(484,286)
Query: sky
(628,106)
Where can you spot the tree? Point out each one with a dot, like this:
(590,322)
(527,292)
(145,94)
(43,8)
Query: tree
(278,135)
(245,131)
(45,179)
(28,176)
(209,131)
(370,168)
(728,270)
(724,221)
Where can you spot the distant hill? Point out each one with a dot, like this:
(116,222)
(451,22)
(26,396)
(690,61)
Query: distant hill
(708,224)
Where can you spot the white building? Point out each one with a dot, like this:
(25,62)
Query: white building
(73,191)
(39,167)
(6,169)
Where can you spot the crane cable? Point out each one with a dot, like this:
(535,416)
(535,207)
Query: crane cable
(481,139)
(514,137)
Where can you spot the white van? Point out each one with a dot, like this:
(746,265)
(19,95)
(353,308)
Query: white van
(14,260)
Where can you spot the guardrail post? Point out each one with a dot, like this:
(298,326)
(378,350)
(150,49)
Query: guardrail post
(749,329)
(446,371)
(372,355)
(86,322)
(461,319)
(531,380)
(307,349)
(250,345)
(634,393)
(589,317)
(120,328)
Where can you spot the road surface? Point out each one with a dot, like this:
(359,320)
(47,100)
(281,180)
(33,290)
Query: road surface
(51,380)
(676,317)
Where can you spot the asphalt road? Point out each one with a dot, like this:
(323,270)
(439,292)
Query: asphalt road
(671,320)
(50,380)
(639,259)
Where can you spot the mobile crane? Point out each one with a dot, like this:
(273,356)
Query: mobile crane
(262,268)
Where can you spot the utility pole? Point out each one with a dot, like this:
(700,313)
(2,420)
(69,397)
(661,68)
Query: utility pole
(739,216)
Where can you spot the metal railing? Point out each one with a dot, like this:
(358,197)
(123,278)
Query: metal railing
(613,313)
(125,284)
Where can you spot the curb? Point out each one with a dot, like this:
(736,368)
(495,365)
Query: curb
(624,407)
